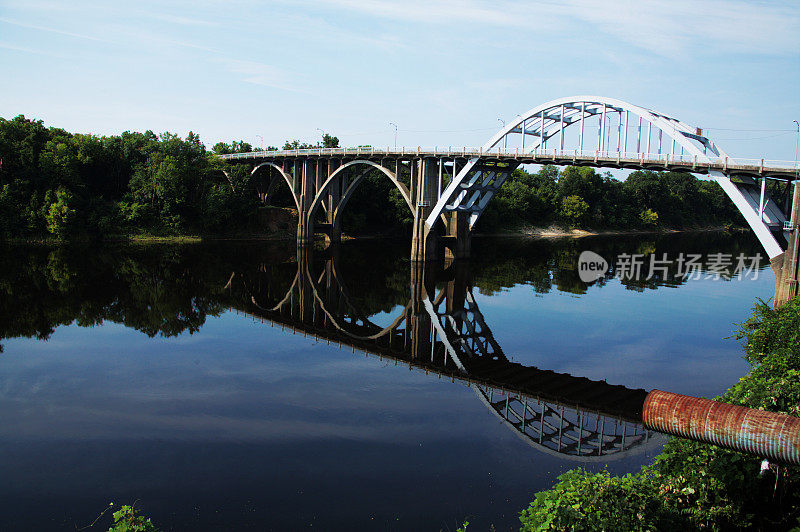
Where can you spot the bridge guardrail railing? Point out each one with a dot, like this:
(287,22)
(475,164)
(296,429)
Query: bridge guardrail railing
(555,153)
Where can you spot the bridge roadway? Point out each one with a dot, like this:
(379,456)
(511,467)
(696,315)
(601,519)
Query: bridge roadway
(744,169)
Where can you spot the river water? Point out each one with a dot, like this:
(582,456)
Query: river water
(249,386)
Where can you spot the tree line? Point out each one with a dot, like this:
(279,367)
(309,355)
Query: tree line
(582,197)
(64,185)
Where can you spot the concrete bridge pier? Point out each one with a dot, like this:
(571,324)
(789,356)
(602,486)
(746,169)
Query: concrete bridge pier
(333,218)
(457,241)
(424,240)
(305,223)
(787,265)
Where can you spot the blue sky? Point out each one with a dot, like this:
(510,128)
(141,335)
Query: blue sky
(444,71)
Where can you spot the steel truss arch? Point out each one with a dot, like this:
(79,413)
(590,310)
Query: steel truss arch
(480,178)
(571,433)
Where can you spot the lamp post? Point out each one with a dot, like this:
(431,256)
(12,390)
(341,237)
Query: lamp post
(505,137)
(796,141)
(395,133)
(323,136)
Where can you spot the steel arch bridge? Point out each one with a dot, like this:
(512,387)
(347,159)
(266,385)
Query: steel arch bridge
(447,190)
(442,332)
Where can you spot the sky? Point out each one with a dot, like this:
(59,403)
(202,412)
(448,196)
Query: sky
(445,72)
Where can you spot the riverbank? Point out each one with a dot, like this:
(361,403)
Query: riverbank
(286,234)
(556,231)
(695,485)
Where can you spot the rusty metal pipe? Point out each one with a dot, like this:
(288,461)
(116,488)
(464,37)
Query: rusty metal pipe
(768,434)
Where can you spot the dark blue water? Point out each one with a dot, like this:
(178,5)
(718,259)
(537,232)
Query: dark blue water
(138,373)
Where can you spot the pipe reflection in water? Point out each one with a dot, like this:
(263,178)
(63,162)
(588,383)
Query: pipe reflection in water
(442,331)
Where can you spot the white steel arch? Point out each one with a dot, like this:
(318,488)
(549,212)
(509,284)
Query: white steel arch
(474,185)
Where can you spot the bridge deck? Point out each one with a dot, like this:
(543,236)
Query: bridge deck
(785,170)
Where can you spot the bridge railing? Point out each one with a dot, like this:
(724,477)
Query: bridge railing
(554,153)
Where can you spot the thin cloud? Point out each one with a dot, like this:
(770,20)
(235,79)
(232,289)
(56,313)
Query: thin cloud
(182,21)
(660,26)
(52,30)
(683,27)
(262,74)
(28,50)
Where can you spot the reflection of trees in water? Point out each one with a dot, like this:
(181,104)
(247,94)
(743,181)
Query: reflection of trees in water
(545,264)
(376,275)
(158,290)
(167,289)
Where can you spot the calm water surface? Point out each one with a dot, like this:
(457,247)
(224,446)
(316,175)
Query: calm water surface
(185,377)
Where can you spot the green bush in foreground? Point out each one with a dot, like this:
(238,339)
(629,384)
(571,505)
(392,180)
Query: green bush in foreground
(693,485)
(126,519)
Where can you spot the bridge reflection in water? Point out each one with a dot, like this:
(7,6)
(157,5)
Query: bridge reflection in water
(441,331)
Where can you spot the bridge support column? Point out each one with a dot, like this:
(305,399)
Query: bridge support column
(305,225)
(423,196)
(458,236)
(334,235)
(787,265)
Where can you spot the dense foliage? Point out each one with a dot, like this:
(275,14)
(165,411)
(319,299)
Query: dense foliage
(55,183)
(62,185)
(693,485)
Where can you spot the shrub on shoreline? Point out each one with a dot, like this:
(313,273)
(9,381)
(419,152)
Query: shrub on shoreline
(693,485)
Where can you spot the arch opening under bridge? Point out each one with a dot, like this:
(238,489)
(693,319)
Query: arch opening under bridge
(274,181)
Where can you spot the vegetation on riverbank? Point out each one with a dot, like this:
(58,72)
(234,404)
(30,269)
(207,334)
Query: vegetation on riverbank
(692,485)
(581,197)
(56,185)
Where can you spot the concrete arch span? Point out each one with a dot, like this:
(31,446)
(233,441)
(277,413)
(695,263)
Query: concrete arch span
(290,182)
(336,175)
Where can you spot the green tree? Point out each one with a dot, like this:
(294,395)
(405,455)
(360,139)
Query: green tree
(649,217)
(60,214)
(329,141)
(573,209)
